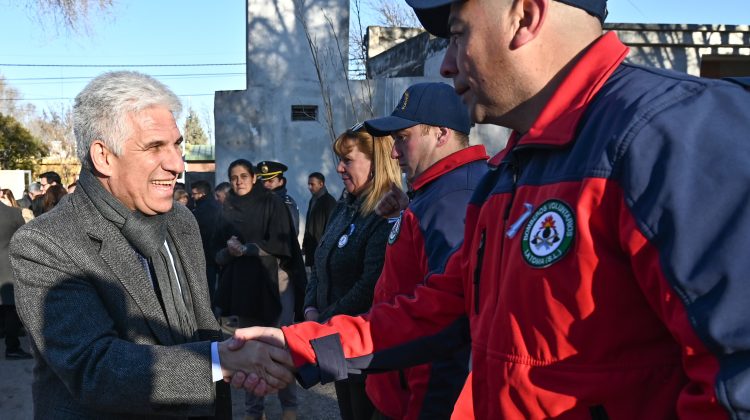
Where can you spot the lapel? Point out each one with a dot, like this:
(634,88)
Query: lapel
(189,248)
(124,265)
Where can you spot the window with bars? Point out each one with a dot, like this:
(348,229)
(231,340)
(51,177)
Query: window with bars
(304,112)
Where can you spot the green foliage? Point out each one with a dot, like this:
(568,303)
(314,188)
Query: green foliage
(193,131)
(18,148)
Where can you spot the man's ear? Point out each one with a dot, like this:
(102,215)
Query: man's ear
(530,16)
(101,158)
(444,134)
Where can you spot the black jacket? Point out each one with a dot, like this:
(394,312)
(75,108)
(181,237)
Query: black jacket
(207,213)
(344,277)
(291,205)
(319,211)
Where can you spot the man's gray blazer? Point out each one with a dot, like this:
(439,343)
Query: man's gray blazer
(101,341)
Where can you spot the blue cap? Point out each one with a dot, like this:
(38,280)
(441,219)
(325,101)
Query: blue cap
(435,104)
(433,14)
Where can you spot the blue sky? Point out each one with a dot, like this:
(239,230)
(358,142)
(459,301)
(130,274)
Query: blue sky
(171,32)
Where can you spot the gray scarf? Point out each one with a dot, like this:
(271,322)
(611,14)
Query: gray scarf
(148,237)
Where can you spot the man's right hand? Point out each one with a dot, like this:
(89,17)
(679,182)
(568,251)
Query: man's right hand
(273,337)
(391,204)
(264,368)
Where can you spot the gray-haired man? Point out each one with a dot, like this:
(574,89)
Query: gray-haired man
(111,285)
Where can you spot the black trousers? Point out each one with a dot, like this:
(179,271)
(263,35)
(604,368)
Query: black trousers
(12,327)
(352,398)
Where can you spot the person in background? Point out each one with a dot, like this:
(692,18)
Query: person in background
(49,179)
(10,221)
(6,196)
(37,202)
(207,212)
(255,242)
(272,175)
(221,191)
(34,190)
(351,251)
(52,197)
(181,196)
(430,127)
(319,211)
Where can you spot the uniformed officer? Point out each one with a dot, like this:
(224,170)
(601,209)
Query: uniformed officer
(272,175)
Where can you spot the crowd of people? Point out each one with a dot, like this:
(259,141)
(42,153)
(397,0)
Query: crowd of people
(591,269)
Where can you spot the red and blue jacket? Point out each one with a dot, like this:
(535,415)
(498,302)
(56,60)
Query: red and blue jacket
(429,230)
(604,267)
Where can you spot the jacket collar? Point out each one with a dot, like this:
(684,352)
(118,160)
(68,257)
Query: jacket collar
(557,123)
(321,192)
(449,163)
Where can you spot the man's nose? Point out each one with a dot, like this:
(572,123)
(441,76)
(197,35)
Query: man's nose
(448,67)
(173,161)
(394,152)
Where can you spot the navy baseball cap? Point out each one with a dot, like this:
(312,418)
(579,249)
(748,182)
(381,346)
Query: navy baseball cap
(433,14)
(435,104)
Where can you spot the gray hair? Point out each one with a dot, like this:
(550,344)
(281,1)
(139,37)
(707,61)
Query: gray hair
(101,109)
(35,187)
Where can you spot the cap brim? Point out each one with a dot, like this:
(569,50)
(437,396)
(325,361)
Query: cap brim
(433,15)
(386,125)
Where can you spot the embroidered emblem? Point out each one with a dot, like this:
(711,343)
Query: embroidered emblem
(549,234)
(264,168)
(404,101)
(395,230)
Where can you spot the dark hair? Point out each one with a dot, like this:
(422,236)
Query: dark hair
(53,196)
(317,175)
(51,177)
(244,162)
(223,187)
(8,194)
(202,186)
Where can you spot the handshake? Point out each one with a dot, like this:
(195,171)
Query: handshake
(257,360)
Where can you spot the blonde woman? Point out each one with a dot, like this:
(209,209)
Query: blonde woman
(350,255)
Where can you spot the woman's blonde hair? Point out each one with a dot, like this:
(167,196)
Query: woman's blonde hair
(385,171)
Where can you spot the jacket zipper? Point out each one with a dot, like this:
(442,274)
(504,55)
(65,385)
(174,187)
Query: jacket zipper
(478,269)
(515,169)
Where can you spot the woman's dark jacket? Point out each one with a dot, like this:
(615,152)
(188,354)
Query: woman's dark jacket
(344,277)
(249,285)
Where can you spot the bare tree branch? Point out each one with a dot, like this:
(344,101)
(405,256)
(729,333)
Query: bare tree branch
(325,93)
(394,13)
(71,15)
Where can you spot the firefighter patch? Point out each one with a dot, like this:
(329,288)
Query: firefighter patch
(395,230)
(549,234)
